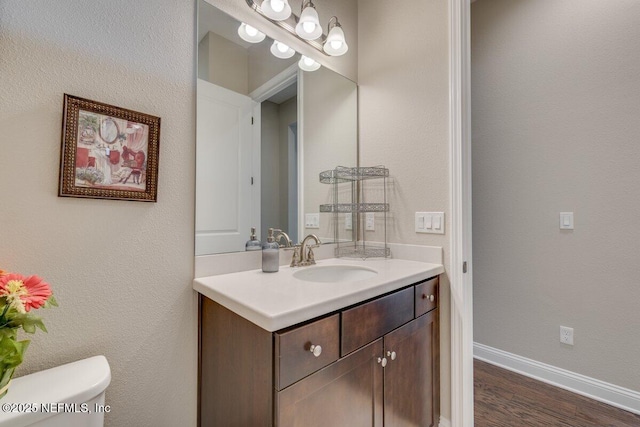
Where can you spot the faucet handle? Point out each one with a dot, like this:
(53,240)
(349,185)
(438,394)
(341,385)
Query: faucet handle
(310,258)
(295,259)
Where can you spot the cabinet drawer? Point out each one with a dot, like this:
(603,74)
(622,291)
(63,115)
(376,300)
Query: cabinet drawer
(426,296)
(293,356)
(370,321)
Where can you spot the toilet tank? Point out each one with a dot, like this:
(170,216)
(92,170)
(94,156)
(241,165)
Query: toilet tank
(70,395)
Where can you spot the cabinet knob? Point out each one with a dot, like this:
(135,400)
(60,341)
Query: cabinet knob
(392,355)
(382,361)
(429,297)
(316,350)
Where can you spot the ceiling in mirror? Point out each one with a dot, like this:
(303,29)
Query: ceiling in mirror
(265,130)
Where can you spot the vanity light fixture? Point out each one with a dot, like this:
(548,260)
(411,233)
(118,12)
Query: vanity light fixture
(250,34)
(281,50)
(308,26)
(335,45)
(278,10)
(308,64)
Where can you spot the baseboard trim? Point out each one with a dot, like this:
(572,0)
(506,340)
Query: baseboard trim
(444,422)
(611,394)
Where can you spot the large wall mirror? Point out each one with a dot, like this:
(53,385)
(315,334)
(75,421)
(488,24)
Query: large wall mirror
(265,130)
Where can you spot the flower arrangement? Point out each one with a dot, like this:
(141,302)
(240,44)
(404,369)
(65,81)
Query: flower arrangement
(18,296)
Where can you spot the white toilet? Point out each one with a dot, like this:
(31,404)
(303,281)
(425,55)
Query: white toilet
(70,395)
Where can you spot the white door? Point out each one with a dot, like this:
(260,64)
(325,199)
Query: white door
(226,202)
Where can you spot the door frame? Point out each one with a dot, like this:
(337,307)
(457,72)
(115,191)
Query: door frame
(460,267)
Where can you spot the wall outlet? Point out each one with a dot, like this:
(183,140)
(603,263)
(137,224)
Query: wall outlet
(348,221)
(566,335)
(370,224)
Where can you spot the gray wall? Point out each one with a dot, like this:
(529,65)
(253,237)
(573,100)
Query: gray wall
(121,271)
(224,63)
(275,120)
(269,169)
(555,102)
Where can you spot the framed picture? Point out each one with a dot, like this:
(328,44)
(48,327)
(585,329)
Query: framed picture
(108,152)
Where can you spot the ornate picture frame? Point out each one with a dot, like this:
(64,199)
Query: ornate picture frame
(108,152)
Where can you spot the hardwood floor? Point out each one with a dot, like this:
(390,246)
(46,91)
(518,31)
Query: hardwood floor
(506,399)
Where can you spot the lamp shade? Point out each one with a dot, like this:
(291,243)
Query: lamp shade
(308,64)
(250,34)
(335,45)
(308,26)
(278,10)
(281,50)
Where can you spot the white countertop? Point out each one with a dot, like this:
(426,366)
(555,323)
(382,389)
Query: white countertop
(275,301)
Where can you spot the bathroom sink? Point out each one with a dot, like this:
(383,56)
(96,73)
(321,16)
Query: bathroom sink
(335,273)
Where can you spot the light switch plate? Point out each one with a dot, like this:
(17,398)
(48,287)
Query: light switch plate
(429,222)
(566,220)
(312,220)
(348,221)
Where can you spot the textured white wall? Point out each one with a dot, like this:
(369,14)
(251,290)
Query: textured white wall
(403,66)
(121,270)
(555,101)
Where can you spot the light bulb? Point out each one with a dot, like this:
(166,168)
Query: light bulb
(250,34)
(282,47)
(336,44)
(250,30)
(281,50)
(277,10)
(277,5)
(308,64)
(308,27)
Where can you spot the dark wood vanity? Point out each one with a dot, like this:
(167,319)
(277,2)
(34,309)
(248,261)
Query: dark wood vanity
(375,363)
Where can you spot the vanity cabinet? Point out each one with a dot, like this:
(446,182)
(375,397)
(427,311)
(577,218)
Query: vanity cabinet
(373,364)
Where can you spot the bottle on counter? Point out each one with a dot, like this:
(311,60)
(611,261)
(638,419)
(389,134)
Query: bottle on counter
(253,244)
(270,254)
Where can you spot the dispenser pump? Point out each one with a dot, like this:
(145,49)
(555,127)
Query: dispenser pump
(253,244)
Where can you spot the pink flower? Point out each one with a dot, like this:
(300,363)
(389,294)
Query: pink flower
(24,293)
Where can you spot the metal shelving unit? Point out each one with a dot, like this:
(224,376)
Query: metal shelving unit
(350,182)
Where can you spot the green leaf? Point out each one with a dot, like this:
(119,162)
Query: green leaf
(11,352)
(50,302)
(29,322)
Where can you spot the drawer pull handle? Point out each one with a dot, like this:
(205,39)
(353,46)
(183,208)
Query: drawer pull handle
(392,355)
(316,350)
(382,361)
(429,297)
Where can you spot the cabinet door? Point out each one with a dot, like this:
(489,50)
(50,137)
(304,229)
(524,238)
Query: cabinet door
(345,393)
(411,385)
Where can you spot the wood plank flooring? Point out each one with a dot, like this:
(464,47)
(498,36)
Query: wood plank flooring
(506,399)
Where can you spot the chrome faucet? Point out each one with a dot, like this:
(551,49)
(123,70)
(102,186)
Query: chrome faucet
(303,254)
(279,234)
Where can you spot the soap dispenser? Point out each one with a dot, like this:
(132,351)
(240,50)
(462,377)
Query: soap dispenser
(253,244)
(270,254)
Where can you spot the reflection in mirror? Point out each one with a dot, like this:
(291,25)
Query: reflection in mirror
(265,130)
